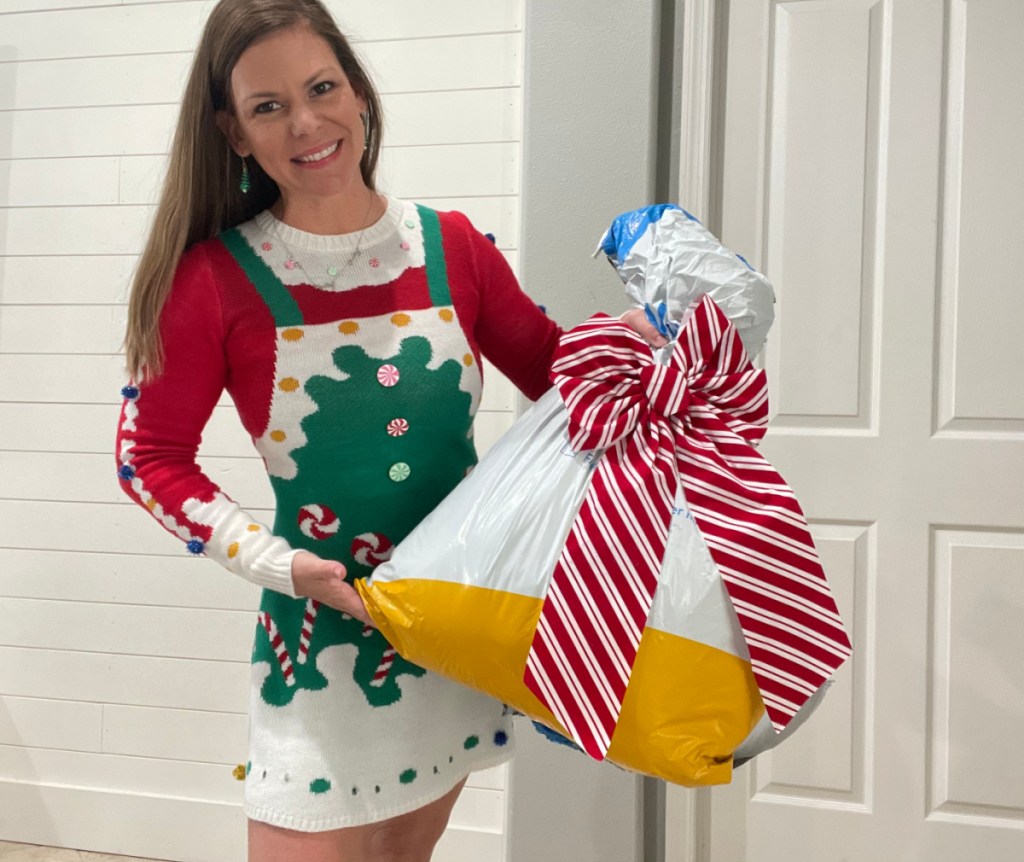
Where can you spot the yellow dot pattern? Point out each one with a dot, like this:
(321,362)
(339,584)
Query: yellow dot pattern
(293,334)
(278,436)
(233,550)
(348,327)
(467,360)
(401,319)
(289,384)
(446,314)
(253,528)
(151,503)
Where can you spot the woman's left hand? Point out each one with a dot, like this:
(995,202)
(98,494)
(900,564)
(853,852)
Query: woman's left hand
(636,319)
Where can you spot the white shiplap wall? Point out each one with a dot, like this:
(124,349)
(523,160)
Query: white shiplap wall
(122,661)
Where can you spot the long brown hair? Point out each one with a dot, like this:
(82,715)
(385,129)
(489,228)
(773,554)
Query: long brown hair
(200,196)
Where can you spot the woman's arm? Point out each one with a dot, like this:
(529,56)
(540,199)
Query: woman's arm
(160,428)
(511,330)
(158,436)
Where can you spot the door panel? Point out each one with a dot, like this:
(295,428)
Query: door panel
(871,167)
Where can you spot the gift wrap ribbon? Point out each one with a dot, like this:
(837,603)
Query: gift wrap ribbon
(694,420)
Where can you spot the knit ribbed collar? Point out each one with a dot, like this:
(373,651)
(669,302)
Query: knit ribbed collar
(343,242)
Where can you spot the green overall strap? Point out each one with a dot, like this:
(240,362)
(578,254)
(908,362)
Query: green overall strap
(433,252)
(280,302)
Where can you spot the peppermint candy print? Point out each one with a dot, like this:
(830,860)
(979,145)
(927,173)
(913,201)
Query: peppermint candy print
(318,522)
(387,375)
(397,427)
(399,472)
(371,549)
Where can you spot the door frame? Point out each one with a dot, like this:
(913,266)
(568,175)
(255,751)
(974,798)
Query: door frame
(704,25)
(671,823)
(588,153)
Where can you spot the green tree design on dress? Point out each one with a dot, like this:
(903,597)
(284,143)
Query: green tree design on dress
(375,482)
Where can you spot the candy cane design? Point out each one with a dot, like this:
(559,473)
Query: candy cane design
(277,642)
(312,606)
(383,668)
(367,631)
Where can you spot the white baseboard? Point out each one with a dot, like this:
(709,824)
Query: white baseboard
(153,827)
(160,827)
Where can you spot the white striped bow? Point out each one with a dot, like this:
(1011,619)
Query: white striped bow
(694,420)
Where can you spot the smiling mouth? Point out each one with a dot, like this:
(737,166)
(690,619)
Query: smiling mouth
(329,150)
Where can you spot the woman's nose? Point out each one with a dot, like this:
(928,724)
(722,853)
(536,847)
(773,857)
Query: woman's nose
(304,119)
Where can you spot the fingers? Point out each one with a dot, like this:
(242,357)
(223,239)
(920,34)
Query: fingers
(324,580)
(653,337)
(315,577)
(354,605)
(306,563)
(642,326)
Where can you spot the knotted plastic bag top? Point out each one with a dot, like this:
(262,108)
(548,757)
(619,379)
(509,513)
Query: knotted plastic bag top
(667,259)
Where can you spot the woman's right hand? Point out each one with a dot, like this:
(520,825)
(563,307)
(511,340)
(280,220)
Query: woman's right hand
(324,580)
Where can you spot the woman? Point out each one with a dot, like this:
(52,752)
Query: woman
(348,328)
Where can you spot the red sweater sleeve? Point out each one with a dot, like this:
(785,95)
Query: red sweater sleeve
(161,425)
(510,328)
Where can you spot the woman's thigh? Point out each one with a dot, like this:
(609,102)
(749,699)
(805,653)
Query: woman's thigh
(407,838)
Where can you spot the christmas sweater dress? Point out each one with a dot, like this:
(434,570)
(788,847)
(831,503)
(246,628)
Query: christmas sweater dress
(354,364)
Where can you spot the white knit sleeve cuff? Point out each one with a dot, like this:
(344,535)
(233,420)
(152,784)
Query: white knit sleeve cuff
(242,545)
(274,571)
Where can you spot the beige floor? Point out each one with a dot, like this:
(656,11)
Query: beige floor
(31,853)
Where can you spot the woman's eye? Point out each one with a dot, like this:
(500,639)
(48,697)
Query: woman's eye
(322,87)
(266,107)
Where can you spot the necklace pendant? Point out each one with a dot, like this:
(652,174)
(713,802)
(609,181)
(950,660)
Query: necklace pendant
(290,264)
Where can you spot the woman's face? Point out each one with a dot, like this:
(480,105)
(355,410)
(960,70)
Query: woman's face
(297,115)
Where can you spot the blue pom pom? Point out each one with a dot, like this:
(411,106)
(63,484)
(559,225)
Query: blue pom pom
(126,472)
(130,392)
(554,736)
(543,308)
(492,238)
(195,547)
(500,738)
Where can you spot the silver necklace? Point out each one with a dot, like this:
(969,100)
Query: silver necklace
(333,271)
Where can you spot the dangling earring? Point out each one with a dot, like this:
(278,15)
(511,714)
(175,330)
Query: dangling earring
(244,184)
(365,117)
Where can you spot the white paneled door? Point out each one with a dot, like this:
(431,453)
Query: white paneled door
(873,168)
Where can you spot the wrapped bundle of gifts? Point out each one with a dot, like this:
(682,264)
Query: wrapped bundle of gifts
(623,566)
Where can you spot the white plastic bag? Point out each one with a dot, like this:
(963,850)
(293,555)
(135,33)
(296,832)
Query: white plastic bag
(462,594)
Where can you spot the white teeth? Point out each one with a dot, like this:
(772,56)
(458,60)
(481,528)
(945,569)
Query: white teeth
(323,154)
